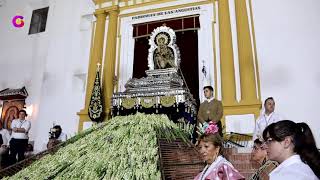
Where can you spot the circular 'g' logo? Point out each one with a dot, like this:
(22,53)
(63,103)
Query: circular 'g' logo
(17,21)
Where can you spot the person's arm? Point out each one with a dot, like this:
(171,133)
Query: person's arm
(219,113)
(24,129)
(200,118)
(14,126)
(19,130)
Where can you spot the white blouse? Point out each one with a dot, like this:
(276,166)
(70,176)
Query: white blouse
(293,169)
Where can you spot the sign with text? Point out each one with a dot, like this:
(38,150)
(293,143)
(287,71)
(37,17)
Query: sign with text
(169,12)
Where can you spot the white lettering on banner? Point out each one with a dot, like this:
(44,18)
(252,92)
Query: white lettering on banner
(167,12)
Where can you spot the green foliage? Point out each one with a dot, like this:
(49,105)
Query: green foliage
(123,148)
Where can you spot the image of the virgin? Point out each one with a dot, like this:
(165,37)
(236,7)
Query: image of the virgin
(163,55)
(10,115)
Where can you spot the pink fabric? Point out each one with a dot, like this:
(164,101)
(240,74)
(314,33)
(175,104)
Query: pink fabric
(223,172)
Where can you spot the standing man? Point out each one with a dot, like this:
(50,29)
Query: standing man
(268,117)
(19,138)
(211,109)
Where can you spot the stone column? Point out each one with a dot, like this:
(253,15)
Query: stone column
(228,84)
(110,58)
(246,64)
(95,57)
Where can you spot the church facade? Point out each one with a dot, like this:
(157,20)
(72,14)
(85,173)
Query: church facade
(224,42)
(218,42)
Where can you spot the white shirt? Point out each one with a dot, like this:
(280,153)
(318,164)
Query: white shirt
(17,123)
(62,137)
(5,136)
(210,99)
(263,121)
(293,168)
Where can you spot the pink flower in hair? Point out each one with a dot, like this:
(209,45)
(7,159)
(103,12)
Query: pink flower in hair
(212,128)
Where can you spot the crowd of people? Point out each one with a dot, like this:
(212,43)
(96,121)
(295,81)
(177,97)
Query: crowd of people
(14,142)
(284,149)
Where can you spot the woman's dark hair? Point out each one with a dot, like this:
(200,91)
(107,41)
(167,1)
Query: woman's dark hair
(303,140)
(269,98)
(215,139)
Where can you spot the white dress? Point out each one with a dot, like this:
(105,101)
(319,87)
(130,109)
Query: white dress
(293,169)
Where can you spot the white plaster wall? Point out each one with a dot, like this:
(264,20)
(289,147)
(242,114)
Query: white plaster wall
(22,57)
(288,44)
(52,65)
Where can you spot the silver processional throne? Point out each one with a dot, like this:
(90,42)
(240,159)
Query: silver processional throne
(163,90)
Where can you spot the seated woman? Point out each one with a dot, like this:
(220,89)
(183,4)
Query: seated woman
(259,155)
(210,145)
(293,146)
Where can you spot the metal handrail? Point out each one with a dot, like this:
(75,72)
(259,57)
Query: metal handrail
(237,139)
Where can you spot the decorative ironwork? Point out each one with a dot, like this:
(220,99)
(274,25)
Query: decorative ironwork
(96,102)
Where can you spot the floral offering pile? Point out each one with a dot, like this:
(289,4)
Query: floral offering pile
(125,147)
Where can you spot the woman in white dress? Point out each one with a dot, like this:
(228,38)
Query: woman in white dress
(217,168)
(293,146)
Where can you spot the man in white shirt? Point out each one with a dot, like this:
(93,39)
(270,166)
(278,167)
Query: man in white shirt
(4,148)
(268,117)
(19,138)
